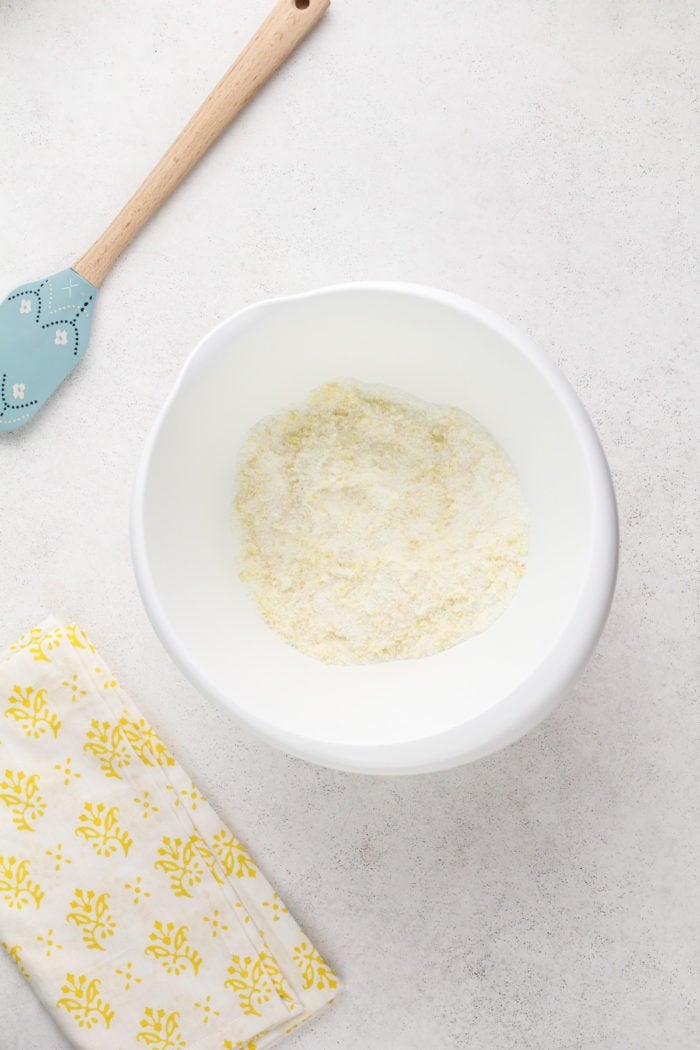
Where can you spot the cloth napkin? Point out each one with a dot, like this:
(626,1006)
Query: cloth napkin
(139,920)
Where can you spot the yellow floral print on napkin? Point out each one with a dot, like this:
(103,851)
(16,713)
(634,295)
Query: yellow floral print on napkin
(139,919)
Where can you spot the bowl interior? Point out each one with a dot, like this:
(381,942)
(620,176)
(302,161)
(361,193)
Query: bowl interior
(259,362)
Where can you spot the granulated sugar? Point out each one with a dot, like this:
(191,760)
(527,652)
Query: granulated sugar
(377,527)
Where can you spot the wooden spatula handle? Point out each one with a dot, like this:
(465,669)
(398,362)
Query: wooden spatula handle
(284,28)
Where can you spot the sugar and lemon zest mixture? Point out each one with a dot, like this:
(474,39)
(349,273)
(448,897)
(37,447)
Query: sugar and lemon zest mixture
(374,526)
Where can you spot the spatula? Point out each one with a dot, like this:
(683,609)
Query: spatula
(44,325)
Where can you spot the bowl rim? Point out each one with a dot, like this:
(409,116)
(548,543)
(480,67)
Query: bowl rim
(515,713)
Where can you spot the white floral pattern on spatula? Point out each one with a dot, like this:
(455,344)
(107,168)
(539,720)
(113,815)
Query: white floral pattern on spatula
(25,306)
(61,337)
(18,391)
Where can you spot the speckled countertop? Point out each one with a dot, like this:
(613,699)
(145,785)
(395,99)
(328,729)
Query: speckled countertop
(537,157)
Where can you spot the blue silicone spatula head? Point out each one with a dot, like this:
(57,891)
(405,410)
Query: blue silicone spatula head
(44,326)
(44,329)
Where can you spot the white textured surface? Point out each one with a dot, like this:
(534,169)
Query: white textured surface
(535,156)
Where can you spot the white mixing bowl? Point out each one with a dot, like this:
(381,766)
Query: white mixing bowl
(403,716)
